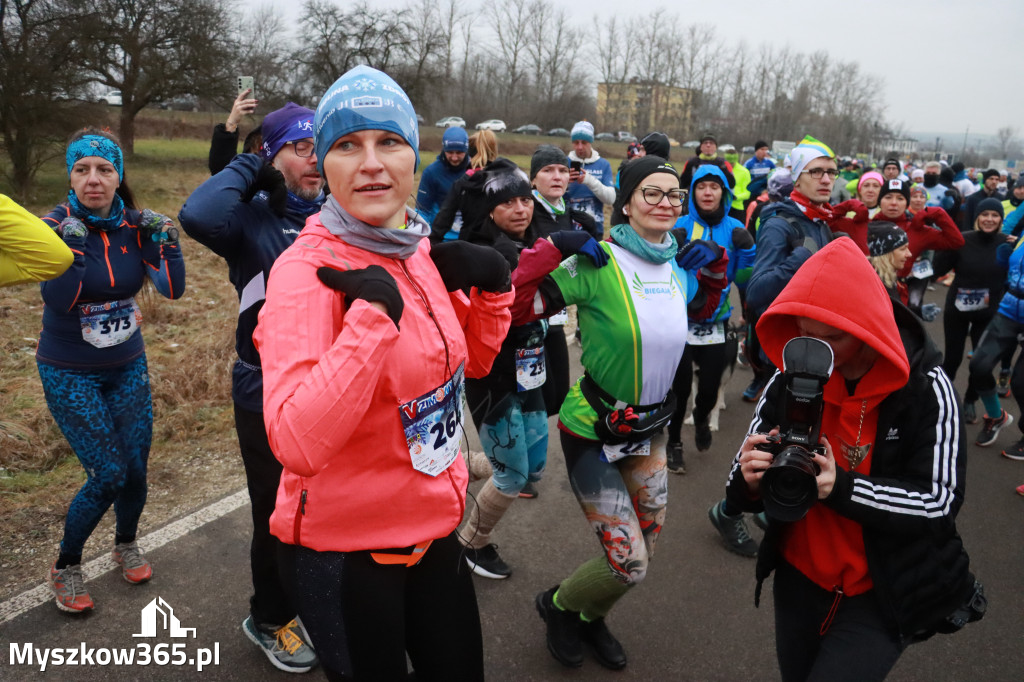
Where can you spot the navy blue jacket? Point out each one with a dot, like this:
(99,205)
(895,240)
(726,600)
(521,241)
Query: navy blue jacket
(109,265)
(250,237)
(435,183)
(777,259)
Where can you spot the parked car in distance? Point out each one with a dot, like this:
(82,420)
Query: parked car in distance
(449,121)
(181,103)
(111,97)
(749,149)
(625,136)
(419,119)
(558,132)
(605,137)
(528,129)
(494,124)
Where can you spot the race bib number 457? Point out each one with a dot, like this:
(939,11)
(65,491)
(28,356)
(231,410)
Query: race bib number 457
(432,425)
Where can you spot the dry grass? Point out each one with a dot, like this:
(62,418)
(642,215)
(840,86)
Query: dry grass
(190,348)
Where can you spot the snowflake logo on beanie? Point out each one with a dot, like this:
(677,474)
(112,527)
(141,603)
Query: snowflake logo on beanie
(364,84)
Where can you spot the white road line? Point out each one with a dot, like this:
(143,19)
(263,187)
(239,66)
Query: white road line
(15,606)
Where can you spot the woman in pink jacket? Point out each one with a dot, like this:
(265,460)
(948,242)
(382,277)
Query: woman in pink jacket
(366,340)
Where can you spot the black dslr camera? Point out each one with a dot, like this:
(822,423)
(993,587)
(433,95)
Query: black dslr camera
(789,488)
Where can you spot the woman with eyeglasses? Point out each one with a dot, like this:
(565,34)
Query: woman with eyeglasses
(706,345)
(92,358)
(633,314)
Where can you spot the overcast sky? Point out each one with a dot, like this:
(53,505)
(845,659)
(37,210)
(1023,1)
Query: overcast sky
(947,65)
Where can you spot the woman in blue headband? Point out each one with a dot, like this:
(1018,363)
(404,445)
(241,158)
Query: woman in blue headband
(91,356)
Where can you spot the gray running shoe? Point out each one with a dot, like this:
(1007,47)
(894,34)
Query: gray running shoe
(733,530)
(286,647)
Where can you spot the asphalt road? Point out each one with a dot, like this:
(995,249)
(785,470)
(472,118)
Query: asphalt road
(692,619)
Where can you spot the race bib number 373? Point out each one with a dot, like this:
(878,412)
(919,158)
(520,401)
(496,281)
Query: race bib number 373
(109,323)
(432,425)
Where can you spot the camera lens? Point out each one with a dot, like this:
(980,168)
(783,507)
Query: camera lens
(789,488)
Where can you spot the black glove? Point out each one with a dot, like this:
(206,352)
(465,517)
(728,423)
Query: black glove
(741,238)
(463,265)
(697,253)
(270,179)
(373,283)
(681,235)
(571,242)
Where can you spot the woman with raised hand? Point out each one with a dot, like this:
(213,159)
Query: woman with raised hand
(633,315)
(366,344)
(929,229)
(508,405)
(91,356)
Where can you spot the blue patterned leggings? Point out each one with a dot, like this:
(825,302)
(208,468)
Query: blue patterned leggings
(513,430)
(107,417)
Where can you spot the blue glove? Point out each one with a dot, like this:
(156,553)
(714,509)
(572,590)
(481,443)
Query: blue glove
(697,253)
(571,242)
(929,311)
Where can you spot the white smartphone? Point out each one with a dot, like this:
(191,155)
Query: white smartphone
(247,83)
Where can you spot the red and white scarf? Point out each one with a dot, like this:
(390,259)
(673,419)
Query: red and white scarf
(812,210)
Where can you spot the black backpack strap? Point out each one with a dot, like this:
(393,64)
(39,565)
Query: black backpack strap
(798,231)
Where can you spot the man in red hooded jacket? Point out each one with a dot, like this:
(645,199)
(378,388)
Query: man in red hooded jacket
(876,563)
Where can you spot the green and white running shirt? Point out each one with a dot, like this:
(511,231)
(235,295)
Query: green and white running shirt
(632,317)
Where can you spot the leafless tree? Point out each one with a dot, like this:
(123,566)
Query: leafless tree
(510,22)
(1006,136)
(262,52)
(41,82)
(152,50)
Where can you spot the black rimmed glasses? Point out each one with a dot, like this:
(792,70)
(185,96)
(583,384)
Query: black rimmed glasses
(303,148)
(816,173)
(653,195)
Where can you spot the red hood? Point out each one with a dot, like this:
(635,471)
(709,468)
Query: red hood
(837,286)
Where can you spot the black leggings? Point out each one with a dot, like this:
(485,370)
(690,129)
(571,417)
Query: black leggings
(269,603)
(363,617)
(857,645)
(711,360)
(1000,337)
(957,326)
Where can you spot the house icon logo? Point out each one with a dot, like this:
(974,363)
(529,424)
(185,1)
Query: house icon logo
(158,614)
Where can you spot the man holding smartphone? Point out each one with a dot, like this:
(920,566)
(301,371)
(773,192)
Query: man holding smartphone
(248,214)
(591,182)
(224,145)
